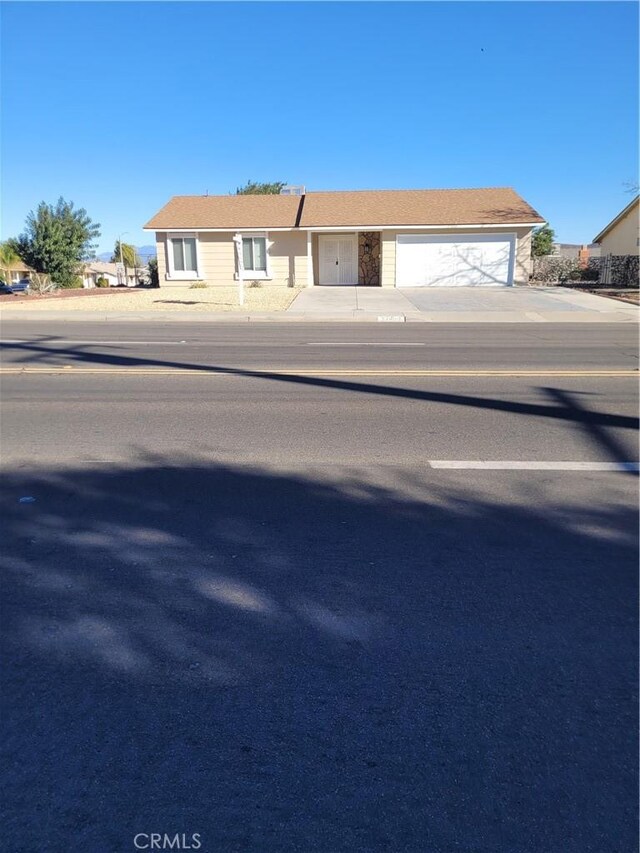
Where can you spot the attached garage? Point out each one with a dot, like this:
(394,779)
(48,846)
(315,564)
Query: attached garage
(373,238)
(455,260)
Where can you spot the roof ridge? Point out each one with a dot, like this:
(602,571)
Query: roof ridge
(320,192)
(414,190)
(234,195)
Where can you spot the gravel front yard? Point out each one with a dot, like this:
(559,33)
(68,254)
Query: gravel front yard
(165,299)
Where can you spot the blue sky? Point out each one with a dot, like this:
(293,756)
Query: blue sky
(118,106)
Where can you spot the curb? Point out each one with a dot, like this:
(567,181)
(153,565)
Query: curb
(206,317)
(624,315)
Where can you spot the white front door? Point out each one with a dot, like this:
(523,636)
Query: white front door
(338,259)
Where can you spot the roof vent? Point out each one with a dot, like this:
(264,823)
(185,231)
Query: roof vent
(292,190)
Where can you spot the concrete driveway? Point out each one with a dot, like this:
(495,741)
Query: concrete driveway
(461,304)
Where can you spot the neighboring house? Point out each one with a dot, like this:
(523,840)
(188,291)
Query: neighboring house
(622,235)
(100,269)
(579,251)
(17,272)
(388,238)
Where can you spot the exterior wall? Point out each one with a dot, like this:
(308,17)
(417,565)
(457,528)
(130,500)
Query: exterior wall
(315,253)
(90,276)
(623,237)
(522,266)
(369,262)
(576,250)
(522,269)
(15,273)
(216,253)
(18,274)
(287,252)
(288,257)
(161,249)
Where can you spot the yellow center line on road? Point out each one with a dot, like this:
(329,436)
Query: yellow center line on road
(249,372)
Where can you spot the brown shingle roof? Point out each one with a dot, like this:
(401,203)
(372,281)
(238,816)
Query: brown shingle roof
(227,211)
(18,266)
(417,207)
(493,206)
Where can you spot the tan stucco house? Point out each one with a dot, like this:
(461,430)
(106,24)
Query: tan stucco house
(387,238)
(94,270)
(16,272)
(622,235)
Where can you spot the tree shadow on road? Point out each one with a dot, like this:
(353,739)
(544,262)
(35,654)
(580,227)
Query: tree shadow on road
(597,426)
(285,662)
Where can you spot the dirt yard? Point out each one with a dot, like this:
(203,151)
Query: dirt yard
(632,297)
(164,298)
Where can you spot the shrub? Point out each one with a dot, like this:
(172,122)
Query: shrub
(72,283)
(551,269)
(255,283)
(152,267)
(592,271)
(101,281)
(41,283)
(622,270)
(198,285)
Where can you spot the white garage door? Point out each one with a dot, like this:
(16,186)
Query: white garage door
(454,260)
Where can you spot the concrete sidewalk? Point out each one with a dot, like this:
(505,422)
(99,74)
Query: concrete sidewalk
(411,305)
(355,302)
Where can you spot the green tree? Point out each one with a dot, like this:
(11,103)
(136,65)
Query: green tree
(253,188)
(130,257)
(8,259)
(56,239)
(542,241)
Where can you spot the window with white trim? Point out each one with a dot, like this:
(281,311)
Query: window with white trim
(182,256)
(254,254)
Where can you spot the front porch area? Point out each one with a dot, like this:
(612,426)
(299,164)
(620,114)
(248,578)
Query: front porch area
(345,259)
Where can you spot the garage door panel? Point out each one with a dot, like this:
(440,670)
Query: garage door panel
(454,260)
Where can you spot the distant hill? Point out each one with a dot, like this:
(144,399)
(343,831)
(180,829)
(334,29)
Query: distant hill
(145,252)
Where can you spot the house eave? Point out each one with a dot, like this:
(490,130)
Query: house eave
(333,228)
(227,229)
(401,227)
(616,219)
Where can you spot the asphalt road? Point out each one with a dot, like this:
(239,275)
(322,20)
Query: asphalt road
(244,600)
(303,345)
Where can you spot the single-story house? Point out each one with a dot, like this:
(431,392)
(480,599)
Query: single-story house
(387,238)
(17,272)
(622,235)
(101,269)
(582,252)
